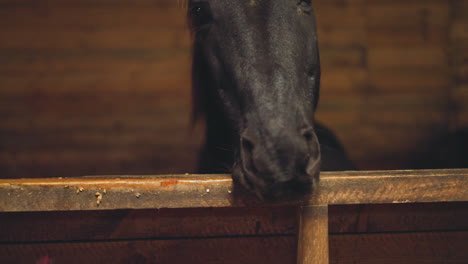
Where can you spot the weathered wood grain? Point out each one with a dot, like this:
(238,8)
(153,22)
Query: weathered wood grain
(25,227)
(405,248)
(313,235)
(187,191)
(146,224)
(64,76)
(249,250)
(402,248)
(388,218)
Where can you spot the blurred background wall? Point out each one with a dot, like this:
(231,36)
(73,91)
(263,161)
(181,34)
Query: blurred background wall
(103,87)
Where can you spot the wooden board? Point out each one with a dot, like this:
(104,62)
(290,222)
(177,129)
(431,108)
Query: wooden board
(385,218)
(248,231)
(249,250)
(186,191)
(122,77)
(35,227)
(27,227)
(402,248)
(405,248)
(312,245)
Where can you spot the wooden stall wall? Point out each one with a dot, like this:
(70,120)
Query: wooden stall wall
(102,87)
(94,87)
(393,78)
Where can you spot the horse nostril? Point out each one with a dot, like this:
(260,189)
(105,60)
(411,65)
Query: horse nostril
(308,134)
(313,147)
(247,148)
(247,144)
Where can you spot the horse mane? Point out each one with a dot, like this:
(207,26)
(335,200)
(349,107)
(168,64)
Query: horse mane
(199,102)
(198,111)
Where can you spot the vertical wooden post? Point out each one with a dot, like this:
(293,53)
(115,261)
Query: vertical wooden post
(313,235)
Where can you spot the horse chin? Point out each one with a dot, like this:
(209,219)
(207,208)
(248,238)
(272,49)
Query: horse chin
(298,188)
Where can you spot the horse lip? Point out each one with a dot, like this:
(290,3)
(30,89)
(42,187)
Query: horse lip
(261,186)
(241,178)
(288,191)
(264,191)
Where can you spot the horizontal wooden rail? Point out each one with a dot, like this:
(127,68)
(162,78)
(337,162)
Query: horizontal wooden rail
(196,191)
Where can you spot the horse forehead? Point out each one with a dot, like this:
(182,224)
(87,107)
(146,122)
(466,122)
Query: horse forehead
(243,5)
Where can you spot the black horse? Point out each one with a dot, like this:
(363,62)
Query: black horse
(256,78)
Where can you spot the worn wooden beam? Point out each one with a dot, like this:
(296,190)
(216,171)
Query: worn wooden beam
(225,250)
(313,235)
(126,225)
(196,191)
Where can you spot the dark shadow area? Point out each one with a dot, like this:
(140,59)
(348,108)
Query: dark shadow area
(446,151)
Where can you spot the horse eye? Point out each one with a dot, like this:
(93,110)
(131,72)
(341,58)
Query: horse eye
(200,14)
(305,6)
(196,10)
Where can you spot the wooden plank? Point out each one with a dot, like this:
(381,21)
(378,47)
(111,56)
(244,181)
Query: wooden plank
(313,235)
(404,81)
(77,141)
(50,110)
(406,37)
(391,187)
(352,13)
(52,26)
(380,218)
(459,32)
(25,227)
(37,227)
(96,83)
(459,63)
(405,248)
(348,80)
(93,126)
(141,159)
(249,250)
(421,117)
(341,36)
(342,57)
(391,14)
(96,38)
(408,57)
(402,248)
(89,3)
(43,15)
(94,61)
(185,191)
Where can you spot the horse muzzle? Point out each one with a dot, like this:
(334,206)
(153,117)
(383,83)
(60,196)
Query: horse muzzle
(278,167)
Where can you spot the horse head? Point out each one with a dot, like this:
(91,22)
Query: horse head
(256,75)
